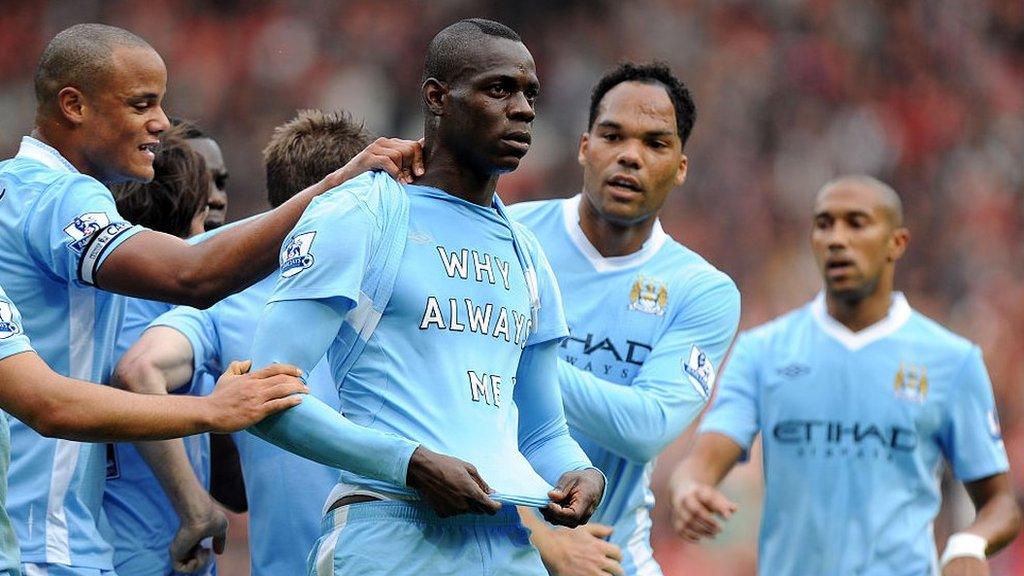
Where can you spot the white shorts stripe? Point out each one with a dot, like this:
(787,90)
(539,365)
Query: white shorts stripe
(325,554)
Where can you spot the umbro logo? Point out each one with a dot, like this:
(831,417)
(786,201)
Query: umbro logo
(794,370)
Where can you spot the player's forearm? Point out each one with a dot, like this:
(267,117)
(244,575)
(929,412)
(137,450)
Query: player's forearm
(316,431)
(62,407)
(170,464)
(313,429)
(631,421)
(998,517)
(543,432)
(712,457)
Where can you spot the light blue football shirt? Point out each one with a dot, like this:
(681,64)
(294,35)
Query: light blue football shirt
(12,341)
(141,518)
(57,227)
(286,493)
(854,428)
(440,365)
(648,330)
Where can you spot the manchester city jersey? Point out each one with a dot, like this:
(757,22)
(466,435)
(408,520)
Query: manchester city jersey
(647,332)
(57,227)
(286,493)
(12,341)
(440,366)
(854,428)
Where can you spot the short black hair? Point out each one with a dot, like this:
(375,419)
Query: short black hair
(452,46)
(649,73)
(79,56)
(189,129)
(174,196)
(308,147)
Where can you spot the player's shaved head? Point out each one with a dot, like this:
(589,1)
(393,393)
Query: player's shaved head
(307,148)
(79,56)
(886,198)
(452,51)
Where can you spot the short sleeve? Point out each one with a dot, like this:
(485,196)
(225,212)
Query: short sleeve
(734,412)
(327,253)
(972,440)
(12,336)
(200,329)
(551,323)
(74,227)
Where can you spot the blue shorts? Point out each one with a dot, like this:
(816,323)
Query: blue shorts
(398,538)
(30,569)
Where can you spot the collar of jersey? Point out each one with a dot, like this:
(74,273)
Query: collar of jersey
(571,219)
(39,151)
(899,313)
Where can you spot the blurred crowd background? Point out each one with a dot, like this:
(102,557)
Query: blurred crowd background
(928,95)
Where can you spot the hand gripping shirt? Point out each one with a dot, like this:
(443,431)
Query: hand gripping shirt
(57,228)
(440,360)
(286,493)
(647,333)
(854,428)
(12,341)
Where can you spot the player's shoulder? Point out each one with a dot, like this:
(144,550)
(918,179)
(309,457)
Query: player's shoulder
(371,194)
(778,331)
(32,178)
(943,341)
(528,212)
(692,273)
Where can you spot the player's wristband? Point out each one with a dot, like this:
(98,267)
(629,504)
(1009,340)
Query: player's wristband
(964,545)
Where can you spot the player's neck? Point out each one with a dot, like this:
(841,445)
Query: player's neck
(63,143)
(611,239)
(446,172)
(858,314)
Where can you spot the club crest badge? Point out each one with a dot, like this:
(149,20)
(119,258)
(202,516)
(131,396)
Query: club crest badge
(649,295)
(296,257)
(83,227)
(8,327)
(700,372)
(911,383)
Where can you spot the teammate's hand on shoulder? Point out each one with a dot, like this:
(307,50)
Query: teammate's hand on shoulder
(581,551)
(402,159)
(575,498)
(448,485)
(243,398)
(188,555)
(694,511)
(966,566)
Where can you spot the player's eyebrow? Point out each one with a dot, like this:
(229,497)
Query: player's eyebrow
(609,124)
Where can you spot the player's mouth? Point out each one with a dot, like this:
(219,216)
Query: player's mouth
(839,267)
(519,141)
(624,186)
(150,149)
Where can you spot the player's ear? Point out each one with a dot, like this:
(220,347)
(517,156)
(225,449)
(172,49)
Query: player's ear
(435,96)
(898,243)
(71,104)
(581,157)
(681,174)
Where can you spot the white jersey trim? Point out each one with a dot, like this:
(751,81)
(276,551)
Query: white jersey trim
(899,313)
(571,219)
(40,152)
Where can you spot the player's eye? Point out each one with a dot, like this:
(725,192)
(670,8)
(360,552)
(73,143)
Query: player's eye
(657,144)
(610,137)
(498,90)
(220,181)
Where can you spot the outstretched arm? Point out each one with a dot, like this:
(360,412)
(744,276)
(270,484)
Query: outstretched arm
(670,389)
(158,266)
(62,407)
